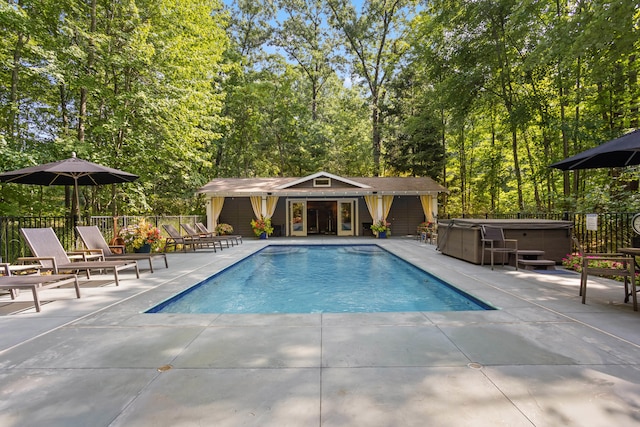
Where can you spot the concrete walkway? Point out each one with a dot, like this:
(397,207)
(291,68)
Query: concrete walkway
(542,359)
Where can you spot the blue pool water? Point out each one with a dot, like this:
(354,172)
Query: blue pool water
(320,278)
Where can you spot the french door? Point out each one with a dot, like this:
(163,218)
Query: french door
(346,222)
(298,217)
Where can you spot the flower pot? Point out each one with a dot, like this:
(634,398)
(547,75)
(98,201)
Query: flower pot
(382,235)
(263,235)
(144,249)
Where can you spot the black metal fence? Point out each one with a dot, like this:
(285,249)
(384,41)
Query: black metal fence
(12,246)
(611,231)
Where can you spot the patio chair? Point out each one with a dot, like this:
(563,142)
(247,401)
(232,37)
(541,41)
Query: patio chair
(35,283)
(494,242)
(47,249)
(235,239)
(611,265)
(210,241)
(175,239)
(94,241)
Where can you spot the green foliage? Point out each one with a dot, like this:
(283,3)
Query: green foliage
(482,96)
(520,85)
(132,92)
(260,226)
(574,262)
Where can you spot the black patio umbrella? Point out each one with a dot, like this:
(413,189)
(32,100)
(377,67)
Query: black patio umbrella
(619,152)
(72,171)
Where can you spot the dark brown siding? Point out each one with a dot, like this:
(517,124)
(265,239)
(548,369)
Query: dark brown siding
(238,212)
(279,219)
(405,215)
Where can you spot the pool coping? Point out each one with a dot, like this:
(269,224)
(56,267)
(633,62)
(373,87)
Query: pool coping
(541,359)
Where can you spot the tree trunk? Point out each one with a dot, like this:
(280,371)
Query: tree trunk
(12,119)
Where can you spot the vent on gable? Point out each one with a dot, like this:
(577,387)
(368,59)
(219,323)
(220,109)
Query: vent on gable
(322,182)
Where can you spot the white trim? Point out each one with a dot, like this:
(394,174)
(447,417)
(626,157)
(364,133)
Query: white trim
(305,200)
(322,175)
(321,182)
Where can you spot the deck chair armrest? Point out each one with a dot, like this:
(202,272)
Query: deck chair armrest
(35,258)
(86,253)
(41,258)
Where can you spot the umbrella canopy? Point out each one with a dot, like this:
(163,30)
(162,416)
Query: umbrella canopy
(72,171)
(619,152)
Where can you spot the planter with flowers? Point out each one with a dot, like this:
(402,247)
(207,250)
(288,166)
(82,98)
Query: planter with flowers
(426,230)
(262,227)
(223,229)
(426,227)
(141,237)
(381,228)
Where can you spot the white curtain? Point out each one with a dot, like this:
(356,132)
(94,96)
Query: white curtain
(272,201)
(216,208)
(386,206)
(256,204)
(372,206)
(425,200)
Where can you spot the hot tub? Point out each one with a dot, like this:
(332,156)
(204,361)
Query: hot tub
(460,237)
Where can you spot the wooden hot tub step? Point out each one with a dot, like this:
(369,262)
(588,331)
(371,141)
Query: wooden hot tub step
(530,253)
(537,264)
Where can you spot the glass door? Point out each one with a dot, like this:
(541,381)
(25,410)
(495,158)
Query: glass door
(298,217)
(345,218)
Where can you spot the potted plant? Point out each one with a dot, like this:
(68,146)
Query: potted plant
(262,227)
(223,229)
(381,228)
(141,237)
(425,227)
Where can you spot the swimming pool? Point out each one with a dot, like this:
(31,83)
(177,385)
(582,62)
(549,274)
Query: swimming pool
(320,278)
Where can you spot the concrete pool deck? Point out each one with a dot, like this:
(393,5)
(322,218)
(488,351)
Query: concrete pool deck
(542,359)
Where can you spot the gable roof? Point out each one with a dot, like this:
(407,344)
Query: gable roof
(353,186)
(322,175)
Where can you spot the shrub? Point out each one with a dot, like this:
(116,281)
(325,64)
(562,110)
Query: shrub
(574,262)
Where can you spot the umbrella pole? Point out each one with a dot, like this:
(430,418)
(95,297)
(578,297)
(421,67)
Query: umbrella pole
(76,209)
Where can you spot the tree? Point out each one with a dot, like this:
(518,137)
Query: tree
(374,39)
(135,80)
(413,128)
(305,37)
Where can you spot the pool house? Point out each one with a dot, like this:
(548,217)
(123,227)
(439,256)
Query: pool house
(322,203)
